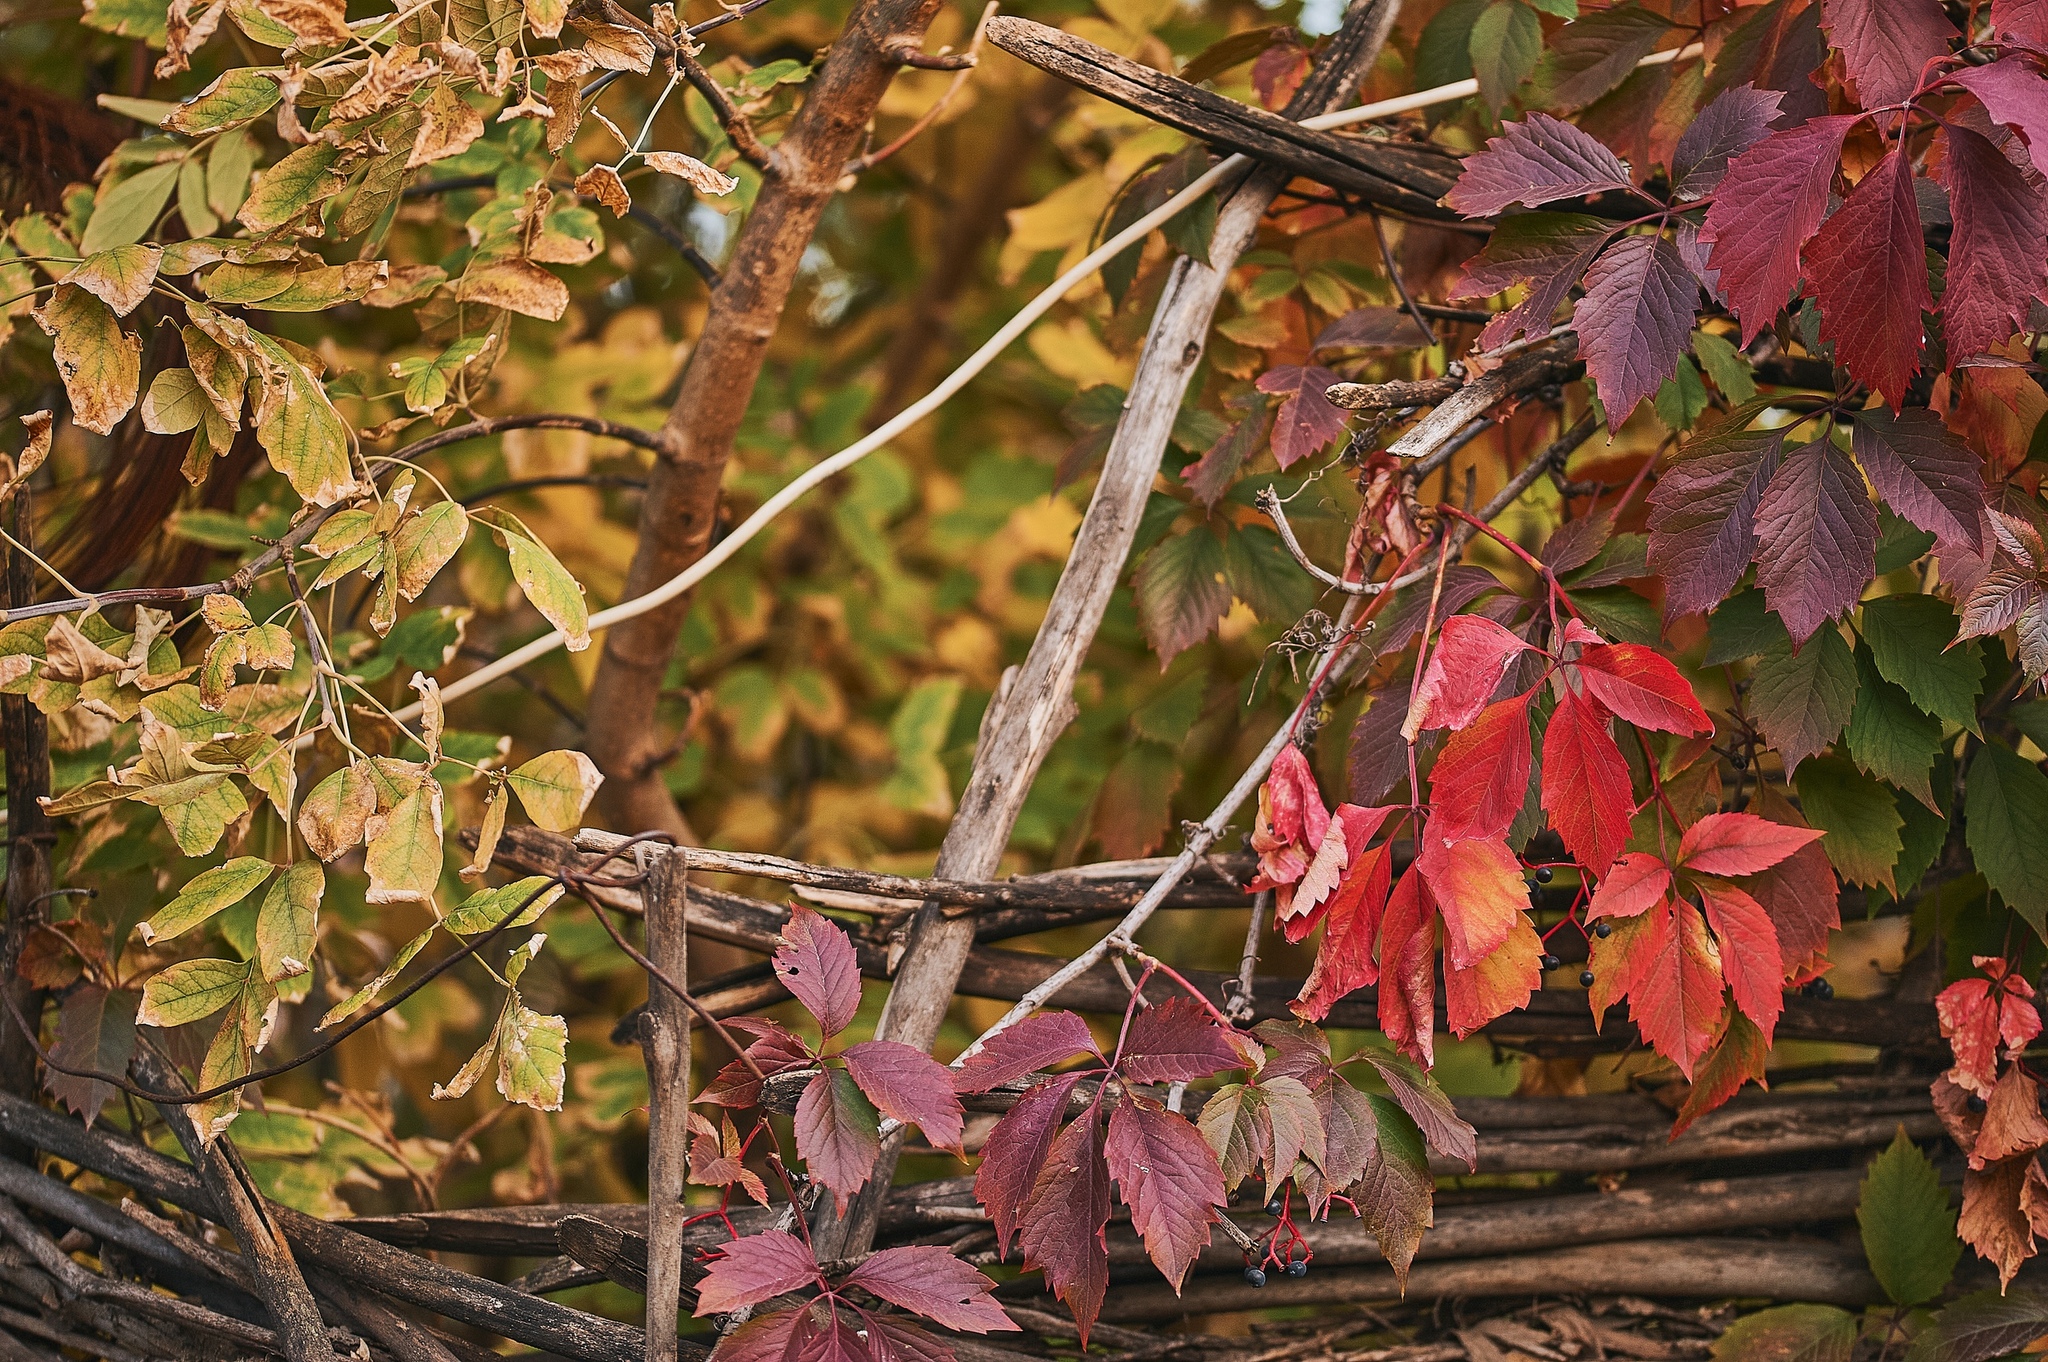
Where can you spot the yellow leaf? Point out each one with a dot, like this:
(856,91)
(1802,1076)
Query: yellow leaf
(556,787)
(333,816)
(517,286)
(404,857)
(100,363)
(121,277)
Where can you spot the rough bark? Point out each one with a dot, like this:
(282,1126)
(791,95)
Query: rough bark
(665,1037)
(26,735)
(681,505)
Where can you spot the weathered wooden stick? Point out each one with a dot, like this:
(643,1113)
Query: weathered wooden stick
(665,1037)
(1409,177)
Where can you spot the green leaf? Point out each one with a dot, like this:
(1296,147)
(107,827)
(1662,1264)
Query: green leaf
(486,908)
(1983,1325)
(1743,626)
(1506,41)
(918,733)
(303,434)
(555,788)
(204,895)
(1725,365)
(287,926)
(404,855)
(241,94)
(1790,1333)
(361,997)
(1260,573)
(143,19)
(1908,636)
(532,1057)
(125,213)
(1563,9)
(1925,832)
(2031,719)
(1443,55)
(298,182)
(1890,736)
(189,990)
(1859,817)
(1899,541)
(547,584)
(1909,1231)
(1682,397)
(1802,700)
(2005,822)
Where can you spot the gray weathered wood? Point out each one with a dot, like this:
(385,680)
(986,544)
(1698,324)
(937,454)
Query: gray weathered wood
(665,1037)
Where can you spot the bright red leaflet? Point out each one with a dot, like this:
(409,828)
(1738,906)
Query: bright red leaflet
(816,962)
(909,1085)
(1481,779)
(1346,959)
(1471,655)
(1040,1041)
(1586,787)
(1675,998)
(1479,889)
(1739,844)
(1640,685)
(1749,952)
(1635,884)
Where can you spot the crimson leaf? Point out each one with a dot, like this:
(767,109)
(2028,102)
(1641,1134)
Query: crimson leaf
(1592,55)
(1533,163)
(1739,844)
(909,1085)
(1351,926)
(1585,783)
(1407,1000)
(1769,203)
(891,1338)
(1923,471)
(1634,320)
(2025,19)
(1640,686)
(764,1338)
(1735,121)
(926,1279)
(1038,1042)
(755,1268)
(1886,43)
(1061,1224)
(2014,94)
(838,1133)
(1867,267)
(1547,251)
(1996,265)
(1675,997)
(1307,420)
(1472,654)
(1169,1178)
(1817,535)
(816,962)
(1174,1042)
(1749,952)
(1703,516)
(1481,781)
(772,1049)
(1016,1150)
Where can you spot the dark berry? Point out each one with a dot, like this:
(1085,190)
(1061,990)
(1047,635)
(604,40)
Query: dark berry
(1585,978)
(1823,990)
(1276,1208)
(1550,961)
(1298,1268)
(1545,874)
(1255,1276)
(1974,1102)
(1603,930)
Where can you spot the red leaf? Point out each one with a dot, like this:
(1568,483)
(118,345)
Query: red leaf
(1738,1058)
(95,1030)
(891,1338)
(1547,251)
(1585,784)
(1977,1013)
(1739,844)
(1344,961)
(1749,952)
(1407,998)
(755,1268)
(1168,1177)
(927,1280)
(816,962)
(1481,781)
(1174,1042)
(1867,266)
(2025,19)
(910,1085)
(1639,685)
(1703,516)
(1062,1223)
(1497,985)
(773,1049)
(1886,43)
(1040,1041)
(1771,200)
(1995,262)
(1534,163)
(1800,894)
(837,1133)
(1634,320)
(1344,845)
(1817,534)
(1634,884)
(1471,656)
(1922,471)
(1307,420)
(1478,886)
(1291,821)
(1737,120)
(2014,94)
(1676,996)
(765,1338)
(1016,1151)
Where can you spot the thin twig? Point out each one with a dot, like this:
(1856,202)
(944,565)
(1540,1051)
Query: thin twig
(963,69)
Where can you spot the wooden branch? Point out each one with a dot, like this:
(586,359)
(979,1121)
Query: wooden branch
(237,1206)
(498,425)
(665,1037)
(1402,392)
(1702,1269)
(26,734)
(1036,700)
(1410,177)
(1549,362)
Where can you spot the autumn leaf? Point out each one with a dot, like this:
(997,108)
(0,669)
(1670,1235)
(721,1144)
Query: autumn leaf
(1868,270)
(1533,163)
(1886,44)
(1768,205)
(1471,657)
(1817,538)
(927,1280)
(1168,1176)
(816,962)
(908,1085)
(1703,515)
(1634,320)
(1586,788)
(755,1268)
(1061,1224)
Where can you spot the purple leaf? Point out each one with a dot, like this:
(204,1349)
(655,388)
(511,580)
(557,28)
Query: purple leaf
(1996,264)
(772,1049)
(1923,472)
(891,1338)
(2025,19)
(1547,251)
(765,1338)
(1175,1042)
(1575,543)
(1886,43)
(1038,1042)
(1736,121)
(1703,516)
(1770,201)
(910,1085)
(1448,1133)
(1817,538)
(816,962)
(1533,163)
(2015,94)
(927,1280)
(1997,601)
(1867,267)
(1169,1178)
(1307,420)
(1590,56)
(755,1268)
(838,1133)
(1379,754)
(1015,1152)
(1062,1222)
(1634,320)
(1373,328)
